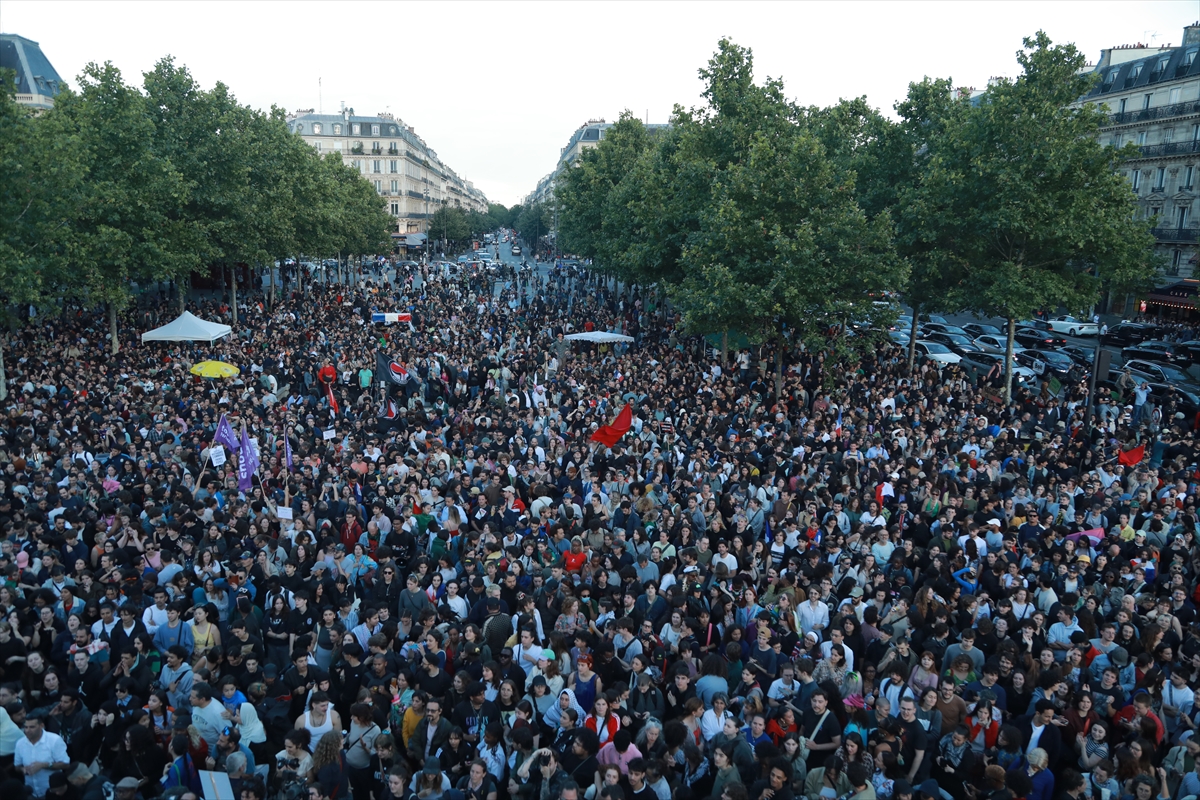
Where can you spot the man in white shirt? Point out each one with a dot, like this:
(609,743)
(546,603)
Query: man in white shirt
(836,637)
(156,615)
(1177,701)
(813,614)
(206,712)
(723,556)
(38,754)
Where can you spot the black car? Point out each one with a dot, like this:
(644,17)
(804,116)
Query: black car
(977,329)
(1161,352)
(1127,333)
(1032,337)
(1189,349)
(957,342)
(942,327)
(1045,362)
(1083,356)
(1156,372)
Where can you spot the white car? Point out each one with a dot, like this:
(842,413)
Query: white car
(937,352)
(1074,327)
(996,344)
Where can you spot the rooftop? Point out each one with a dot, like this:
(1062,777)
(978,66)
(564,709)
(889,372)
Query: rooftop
(36,77)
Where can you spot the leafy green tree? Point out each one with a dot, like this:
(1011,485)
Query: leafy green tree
(750,223)
(587,224)
(1020,195)
(41,176)
(535,221)
(449,223)
(125,223)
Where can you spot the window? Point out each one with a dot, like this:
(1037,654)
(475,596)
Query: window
(356,164)
(1115,141)
(1187,177)
(355,128)
(377,166)
(1135,178)
(1168,135)
(337,130)
(316,127)
(1160,177)
(1146,101)
(1174,96)
(374,130)
(1121,106)
(378,187)
(1196,132)
(1181,216)
(317,145)
(1142,138)
(395,209)
(392,166)
(1176,257)
(395,186)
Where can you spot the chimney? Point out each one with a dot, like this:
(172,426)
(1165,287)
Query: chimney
(1191,34)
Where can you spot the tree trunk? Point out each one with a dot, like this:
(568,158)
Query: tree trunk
(299,277)
(1008,360)
(233,290)
(271,273)
(724,349)
(112,327)
(183,284)
(912,341)
(3,375)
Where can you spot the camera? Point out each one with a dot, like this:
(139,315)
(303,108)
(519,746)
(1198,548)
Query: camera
(544,760)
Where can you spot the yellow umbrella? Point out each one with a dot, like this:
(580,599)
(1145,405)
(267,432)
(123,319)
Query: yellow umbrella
(215,369)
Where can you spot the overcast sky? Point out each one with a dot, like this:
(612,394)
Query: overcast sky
(498,88)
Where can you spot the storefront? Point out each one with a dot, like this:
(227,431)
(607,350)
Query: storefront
(1176,302)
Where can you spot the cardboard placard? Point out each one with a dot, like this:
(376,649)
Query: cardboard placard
(284,512)
(217,455)
(329,434)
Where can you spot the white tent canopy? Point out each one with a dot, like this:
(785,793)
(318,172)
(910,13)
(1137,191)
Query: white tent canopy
(188,328)
(600,337)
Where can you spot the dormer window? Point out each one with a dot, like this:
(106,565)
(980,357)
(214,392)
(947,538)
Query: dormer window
(337,130)
(374,130)
(316,128)
(355,128)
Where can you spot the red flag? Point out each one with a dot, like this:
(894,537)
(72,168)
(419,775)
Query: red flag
(1130,457)
(608,435)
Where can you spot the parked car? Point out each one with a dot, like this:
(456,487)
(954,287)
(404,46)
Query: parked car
(1151,371)
(1126,333)
(977,329)
(997,344)
(1153,350)
(932,318)
(899,337)
(1047,362)
(942,327)
(979,364)
(1083,356)
(937,352)
(1039,324)
(958,342)
(1190,349)
(1072,326)
(516,251)
(1034,337)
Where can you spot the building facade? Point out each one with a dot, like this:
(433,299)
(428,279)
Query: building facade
(404,170)
(1152,98)
(37,81)
(585,137)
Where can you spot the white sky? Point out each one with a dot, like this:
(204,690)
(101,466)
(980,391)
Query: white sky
(497,88)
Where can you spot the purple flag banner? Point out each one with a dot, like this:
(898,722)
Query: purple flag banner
(226,436)
(287,453)
(247,464)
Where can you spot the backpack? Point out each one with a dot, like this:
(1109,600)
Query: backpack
(275,713)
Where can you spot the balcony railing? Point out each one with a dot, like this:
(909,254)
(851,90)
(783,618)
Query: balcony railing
(1169,149)
(1176,234)
(417,195)
(1147,114)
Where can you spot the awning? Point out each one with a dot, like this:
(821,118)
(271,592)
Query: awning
(1177,295)
(415,239)
(600,337)
(188,328)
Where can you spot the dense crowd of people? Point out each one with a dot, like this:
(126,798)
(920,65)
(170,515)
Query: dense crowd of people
(877,583)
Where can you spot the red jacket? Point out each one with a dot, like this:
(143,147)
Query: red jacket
(350,532)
